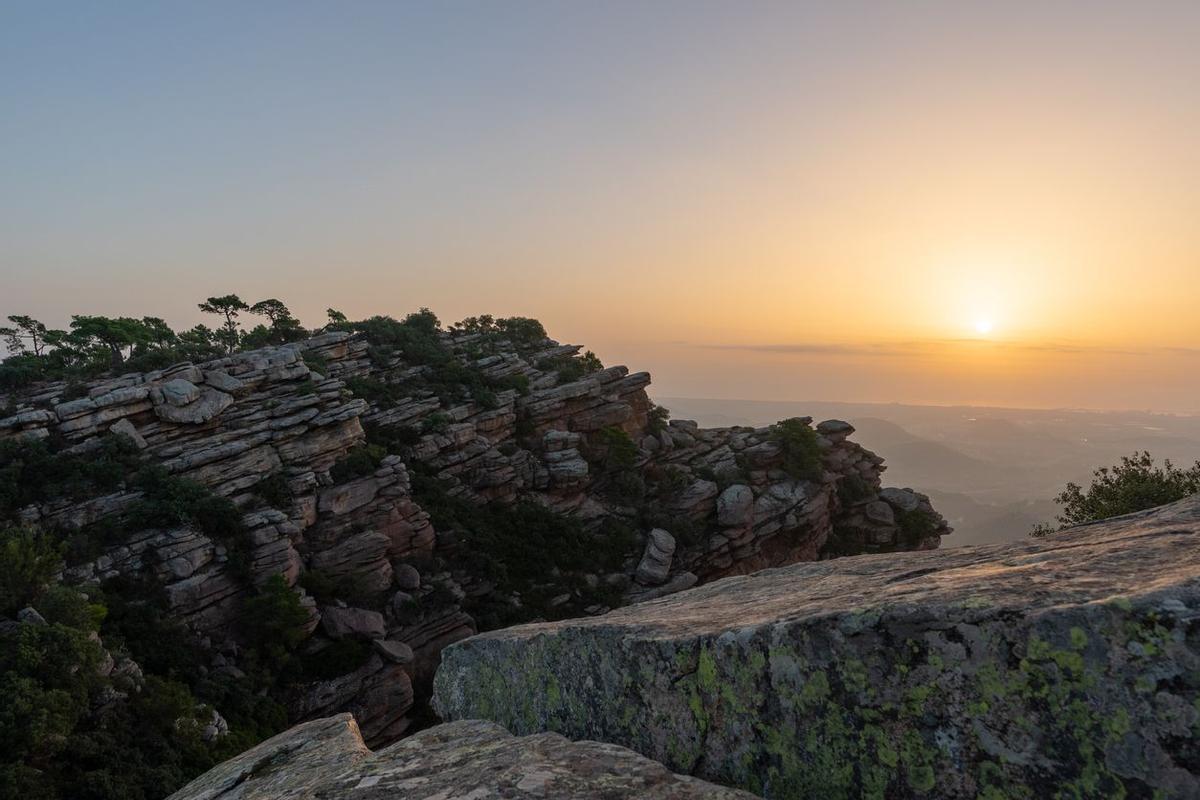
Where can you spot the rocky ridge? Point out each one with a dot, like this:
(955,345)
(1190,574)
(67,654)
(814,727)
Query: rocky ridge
(1062,667)
(587,446)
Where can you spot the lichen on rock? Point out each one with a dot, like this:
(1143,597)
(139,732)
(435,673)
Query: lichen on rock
(1067,667)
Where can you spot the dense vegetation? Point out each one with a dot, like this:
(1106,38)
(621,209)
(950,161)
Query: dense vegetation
(127,692)
(1136,484)
(128,735)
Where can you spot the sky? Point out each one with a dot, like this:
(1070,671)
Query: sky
(923,202)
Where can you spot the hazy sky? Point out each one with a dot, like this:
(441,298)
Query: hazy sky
(759,200)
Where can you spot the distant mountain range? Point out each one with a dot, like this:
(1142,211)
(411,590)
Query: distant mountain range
(993,472)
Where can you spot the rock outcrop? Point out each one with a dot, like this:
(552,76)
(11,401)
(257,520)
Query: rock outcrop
(327,759)
(270,428)
(1062,667)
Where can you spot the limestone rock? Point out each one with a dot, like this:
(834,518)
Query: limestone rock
(327,759)
(1025,669)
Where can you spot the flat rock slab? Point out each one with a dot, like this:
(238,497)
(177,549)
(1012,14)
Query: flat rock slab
(1066,666)
(468,760)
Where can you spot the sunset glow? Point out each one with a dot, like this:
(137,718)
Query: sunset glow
(677,185)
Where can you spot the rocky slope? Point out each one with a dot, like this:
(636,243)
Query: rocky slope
(479,760)
(343,451)
(1062,667)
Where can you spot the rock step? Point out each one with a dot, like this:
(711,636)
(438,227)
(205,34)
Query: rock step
(1066,666)
(326,758)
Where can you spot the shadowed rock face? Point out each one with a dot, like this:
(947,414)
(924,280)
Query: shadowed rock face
(326,758)
(1064,666)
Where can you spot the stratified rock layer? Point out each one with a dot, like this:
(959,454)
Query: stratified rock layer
(1063,667)
(326,758)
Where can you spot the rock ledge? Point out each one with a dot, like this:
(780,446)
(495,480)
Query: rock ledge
(1064,666)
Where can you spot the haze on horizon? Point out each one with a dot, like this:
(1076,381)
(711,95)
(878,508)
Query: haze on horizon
(928,202)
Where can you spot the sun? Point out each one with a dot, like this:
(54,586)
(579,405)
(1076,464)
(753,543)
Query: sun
(983,326)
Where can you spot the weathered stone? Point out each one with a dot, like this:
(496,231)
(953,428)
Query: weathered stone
(901,499)
(209,404)
(396,652)
(474,760)
(30,616)
(124,427)
(735,506)
(406,577)
(179,392)
(656,558)
(341,622)
(1029,669)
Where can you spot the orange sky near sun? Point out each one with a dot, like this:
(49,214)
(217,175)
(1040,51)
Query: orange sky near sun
(809,201)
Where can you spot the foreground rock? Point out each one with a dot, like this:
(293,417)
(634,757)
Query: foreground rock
(326,758)
(1068,666)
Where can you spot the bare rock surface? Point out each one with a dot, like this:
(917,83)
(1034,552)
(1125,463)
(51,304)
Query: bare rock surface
(1067,666)
(327,759)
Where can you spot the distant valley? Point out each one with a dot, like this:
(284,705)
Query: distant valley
(993,472)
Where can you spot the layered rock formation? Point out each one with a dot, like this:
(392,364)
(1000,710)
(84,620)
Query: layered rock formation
(1062,667)
(590,446)
(479,760)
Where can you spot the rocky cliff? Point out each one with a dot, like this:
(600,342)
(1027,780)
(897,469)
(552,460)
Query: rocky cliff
(478,760)
(1062,667)
(410,496)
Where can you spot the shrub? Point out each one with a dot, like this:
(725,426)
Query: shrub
(28,560)
(358,463)
(915,525)
(274,490)
(1136,484)
(851,489)
(801,456)
(169,501)
(656,418)
(34,471)
(620,452)
(275,620)
(392,438)
(67,606)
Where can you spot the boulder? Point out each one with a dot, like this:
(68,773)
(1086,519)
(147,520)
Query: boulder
(656,558)
(341,622)
(396,652)
(207,405)
(179,392)
(1063,666)
(327,758)
(735,506)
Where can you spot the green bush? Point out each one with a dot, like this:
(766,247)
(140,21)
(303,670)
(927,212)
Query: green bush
(522,549)
(28,560)
(358,463)
(619,450)
(71,607)
(1136,484)
(274,490)
(35,471)
(801,456)
(656,418)
(275,620)
(915,525)
(568,369)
